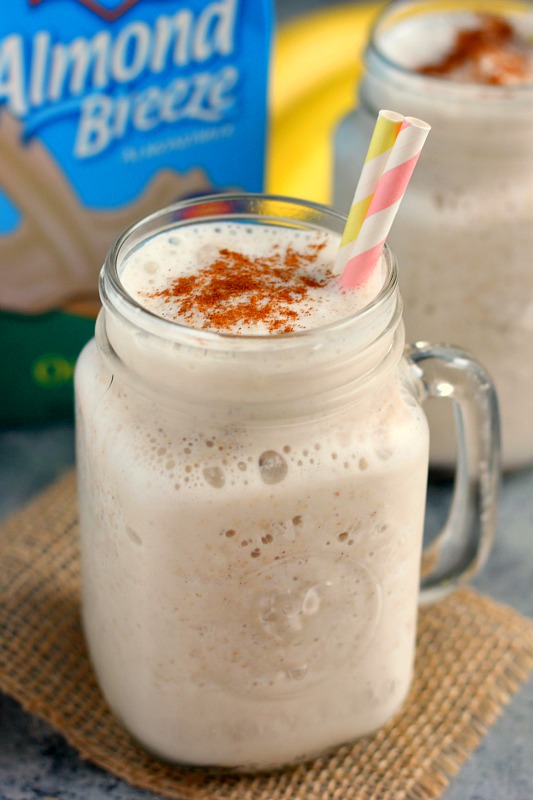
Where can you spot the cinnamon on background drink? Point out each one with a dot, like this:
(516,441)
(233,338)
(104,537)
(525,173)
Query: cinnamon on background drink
(252,463)
(463,234)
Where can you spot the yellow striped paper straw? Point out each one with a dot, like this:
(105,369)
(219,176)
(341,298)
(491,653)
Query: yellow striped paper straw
(386,130)
(361,247)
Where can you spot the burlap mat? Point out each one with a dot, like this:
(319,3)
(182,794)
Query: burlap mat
(472,655)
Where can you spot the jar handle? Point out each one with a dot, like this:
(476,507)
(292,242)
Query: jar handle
(464,543)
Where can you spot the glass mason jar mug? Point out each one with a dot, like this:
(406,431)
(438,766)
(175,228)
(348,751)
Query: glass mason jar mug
(251,511)
(463,234)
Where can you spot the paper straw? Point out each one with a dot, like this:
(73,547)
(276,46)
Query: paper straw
(364,237)
(386,130)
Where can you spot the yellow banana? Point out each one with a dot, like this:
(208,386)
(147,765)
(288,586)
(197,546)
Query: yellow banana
(312,48)
(300,142)
(316,67)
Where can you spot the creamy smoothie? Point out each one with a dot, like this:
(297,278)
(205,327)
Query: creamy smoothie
(463,234)
(252,484)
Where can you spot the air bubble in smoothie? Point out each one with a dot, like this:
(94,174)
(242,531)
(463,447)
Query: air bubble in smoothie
(272,467)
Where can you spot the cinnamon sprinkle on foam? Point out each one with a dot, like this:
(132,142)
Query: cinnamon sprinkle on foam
(491,53)
(235,290)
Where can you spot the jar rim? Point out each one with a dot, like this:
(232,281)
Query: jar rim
(235,206)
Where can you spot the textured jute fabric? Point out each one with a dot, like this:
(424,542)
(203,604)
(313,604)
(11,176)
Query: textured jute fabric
(472,655)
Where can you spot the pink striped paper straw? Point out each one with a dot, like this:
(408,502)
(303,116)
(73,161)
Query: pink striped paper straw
(361,249)
(386,130)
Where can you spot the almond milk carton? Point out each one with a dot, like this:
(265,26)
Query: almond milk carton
(109,109)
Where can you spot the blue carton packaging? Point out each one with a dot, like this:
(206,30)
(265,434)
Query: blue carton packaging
(109,109)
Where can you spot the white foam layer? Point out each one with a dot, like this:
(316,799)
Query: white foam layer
(151,271)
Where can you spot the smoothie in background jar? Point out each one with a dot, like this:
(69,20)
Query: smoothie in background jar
(252,463)
(464,232)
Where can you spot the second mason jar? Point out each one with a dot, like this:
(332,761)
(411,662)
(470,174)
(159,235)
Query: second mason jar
(464,232)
